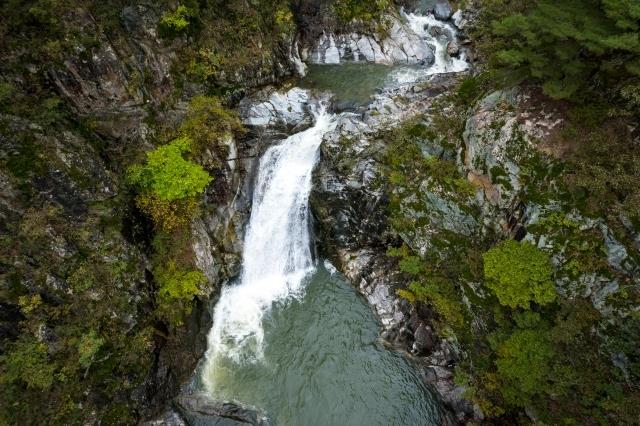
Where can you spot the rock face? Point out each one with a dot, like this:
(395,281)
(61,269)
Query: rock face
(78,240)
(401,46)
(350,201)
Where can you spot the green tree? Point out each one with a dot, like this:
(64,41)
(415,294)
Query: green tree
(168,175)
(519,273)
(29,363)
(177,283)
(524,365)
(176,22)
(568,45)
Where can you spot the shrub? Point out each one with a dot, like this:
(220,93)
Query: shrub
(168,215)
(177,288)
(167,175)
(519,273)
(523,365)
(29,363)
(208,122)
(360,10)
(176,22)
(88,347)
(442,296)
(177,283)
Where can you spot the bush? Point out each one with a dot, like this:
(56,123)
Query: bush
(177,283)
(168,215)
(177,288)
(519,273)
(177,22)
(167,175)
(360,10)
(88,347)
(523,365)
(208,122)
(28,363)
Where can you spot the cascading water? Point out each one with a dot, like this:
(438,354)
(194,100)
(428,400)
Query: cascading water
(293,338)
(277,251)
(438,34)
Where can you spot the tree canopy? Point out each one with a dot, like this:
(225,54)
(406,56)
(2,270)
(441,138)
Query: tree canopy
(519,273)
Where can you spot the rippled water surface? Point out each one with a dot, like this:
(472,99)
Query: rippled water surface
(323,365)
(349,82)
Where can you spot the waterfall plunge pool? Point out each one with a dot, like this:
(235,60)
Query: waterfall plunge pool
(323,364)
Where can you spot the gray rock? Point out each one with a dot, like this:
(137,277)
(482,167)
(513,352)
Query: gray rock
(453,49)
(277,108)
(443,10)
(424,340)
(198,409)
(401,46)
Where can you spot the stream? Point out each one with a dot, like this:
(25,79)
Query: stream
(290,335)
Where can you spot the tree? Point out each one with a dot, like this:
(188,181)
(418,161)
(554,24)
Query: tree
(168,175)
(519,273)
(523,365)
(29,363)
(568,45)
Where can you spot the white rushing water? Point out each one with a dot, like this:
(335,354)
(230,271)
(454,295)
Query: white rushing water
(277,251)
(438,34)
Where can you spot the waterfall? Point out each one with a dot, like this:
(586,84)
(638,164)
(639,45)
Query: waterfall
(277,251)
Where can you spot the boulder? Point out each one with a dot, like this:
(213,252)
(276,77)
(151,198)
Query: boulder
(453,49)
(424,340)
(443,10)
(199,409)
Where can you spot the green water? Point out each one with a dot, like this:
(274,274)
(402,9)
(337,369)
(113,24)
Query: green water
(323,365)
(350,82)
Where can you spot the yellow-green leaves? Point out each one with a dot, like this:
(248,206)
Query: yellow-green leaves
(168,175)
(519,273)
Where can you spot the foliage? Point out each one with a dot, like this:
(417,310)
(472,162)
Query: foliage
(284,20)
(168,215)
(88,347)
(519,273)
(441,295)
(28,362)
(208,122)
(167,175)
(604,173)
(178,284)
(176,22)
(360,10)
(569,46)
(177,288)
(523,365)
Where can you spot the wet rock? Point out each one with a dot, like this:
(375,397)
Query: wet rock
(198,409)
(401,46)
(424,340)
(453,49)
(442,10)
(288,108)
